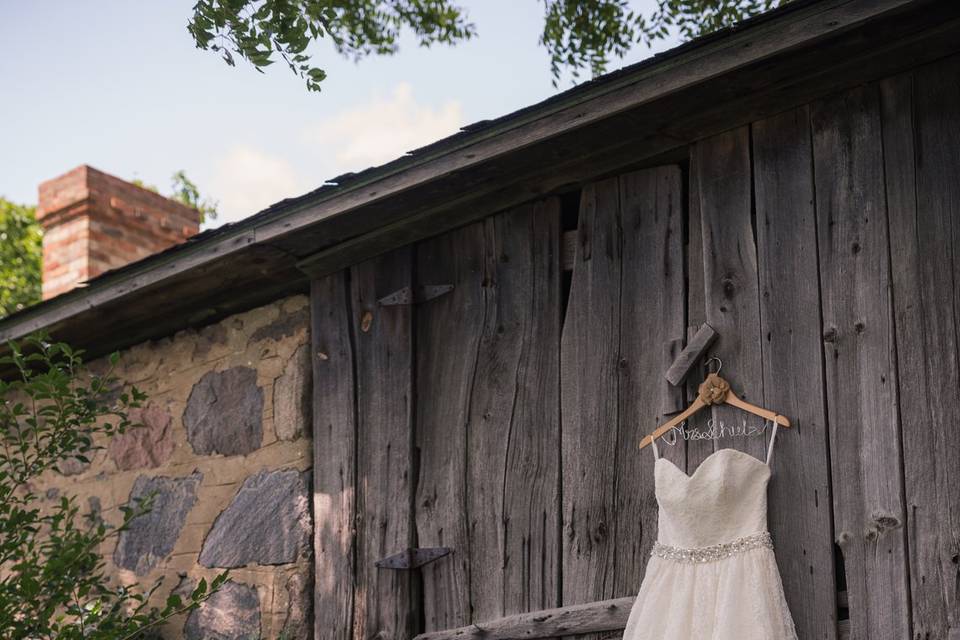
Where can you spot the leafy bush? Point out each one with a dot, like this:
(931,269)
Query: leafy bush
(20,256)
(52,577)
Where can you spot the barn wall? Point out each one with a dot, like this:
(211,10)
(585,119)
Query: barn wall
(500,420)
(226,447)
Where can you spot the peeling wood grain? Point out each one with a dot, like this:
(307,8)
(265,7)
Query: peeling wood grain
(696,314)
(626,302)
(651,315)
(730,272)
(921,138)
(799,491)
(334,432)
(513,420)
(859,351)
(489,424)
(449,330)
(589,358)
(385,602)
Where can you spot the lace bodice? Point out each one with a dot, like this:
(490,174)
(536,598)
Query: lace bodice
(712,573)
(723,500)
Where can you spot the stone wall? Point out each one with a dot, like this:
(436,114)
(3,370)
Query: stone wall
(226,452)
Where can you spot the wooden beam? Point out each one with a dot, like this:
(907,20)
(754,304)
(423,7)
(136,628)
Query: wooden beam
(593,617)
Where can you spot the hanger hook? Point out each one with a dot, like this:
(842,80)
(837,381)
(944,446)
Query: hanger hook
(719,364)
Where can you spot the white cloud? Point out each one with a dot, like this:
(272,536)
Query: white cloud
(384,129)
(248,180)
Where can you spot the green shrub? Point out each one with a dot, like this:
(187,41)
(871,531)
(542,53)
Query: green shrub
(52,577)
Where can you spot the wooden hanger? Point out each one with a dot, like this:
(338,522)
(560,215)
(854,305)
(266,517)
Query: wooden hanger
(714,390)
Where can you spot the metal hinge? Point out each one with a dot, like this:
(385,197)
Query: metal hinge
(409,295)
(413,557)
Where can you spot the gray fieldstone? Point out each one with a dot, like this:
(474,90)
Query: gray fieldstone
(224,413)
(147,446)
(72,466)
(284,326)
(298,623)
(291,396)
(95,515)
(208,337)
(268,522)
(153,535)
(232,613)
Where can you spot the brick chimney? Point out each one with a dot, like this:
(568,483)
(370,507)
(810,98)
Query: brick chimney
(93,222)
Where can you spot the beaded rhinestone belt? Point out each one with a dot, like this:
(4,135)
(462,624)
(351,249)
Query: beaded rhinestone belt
(713,552)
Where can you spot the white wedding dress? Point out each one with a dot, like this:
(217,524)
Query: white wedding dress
(712,574)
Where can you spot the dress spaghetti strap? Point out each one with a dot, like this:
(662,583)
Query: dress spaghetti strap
(653,445)
(773,436)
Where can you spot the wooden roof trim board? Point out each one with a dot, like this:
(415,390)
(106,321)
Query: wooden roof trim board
(775,34)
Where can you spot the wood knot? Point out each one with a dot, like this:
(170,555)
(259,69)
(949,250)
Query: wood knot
(879,524)
(729,287)
(843,539)
(365,321)
(601,532)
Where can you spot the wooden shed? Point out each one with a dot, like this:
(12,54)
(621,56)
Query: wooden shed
(492,316)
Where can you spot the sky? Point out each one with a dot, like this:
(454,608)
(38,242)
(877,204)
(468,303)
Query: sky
(120,85)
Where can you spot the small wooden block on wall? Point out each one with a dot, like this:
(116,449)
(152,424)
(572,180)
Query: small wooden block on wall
(691,354)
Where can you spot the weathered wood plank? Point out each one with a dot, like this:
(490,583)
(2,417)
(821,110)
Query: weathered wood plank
(691,354)
(730,271)
(489,362)
(589,359)
(513,427)
(568,249)
(651,297)
(626,304)
(334,431)
(385,602)
(923,196)
(578,619)
(695,450)
(449,331)
(799,493)
(860,358)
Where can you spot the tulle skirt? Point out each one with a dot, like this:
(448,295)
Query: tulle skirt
(736,598)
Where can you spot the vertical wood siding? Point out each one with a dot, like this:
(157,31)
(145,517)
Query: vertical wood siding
(799,491)
(588,363)
(922,152)
(488,417)
(626,303)
(334,432)
(502,421)
(860,355)
(383,600)
(732,300)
